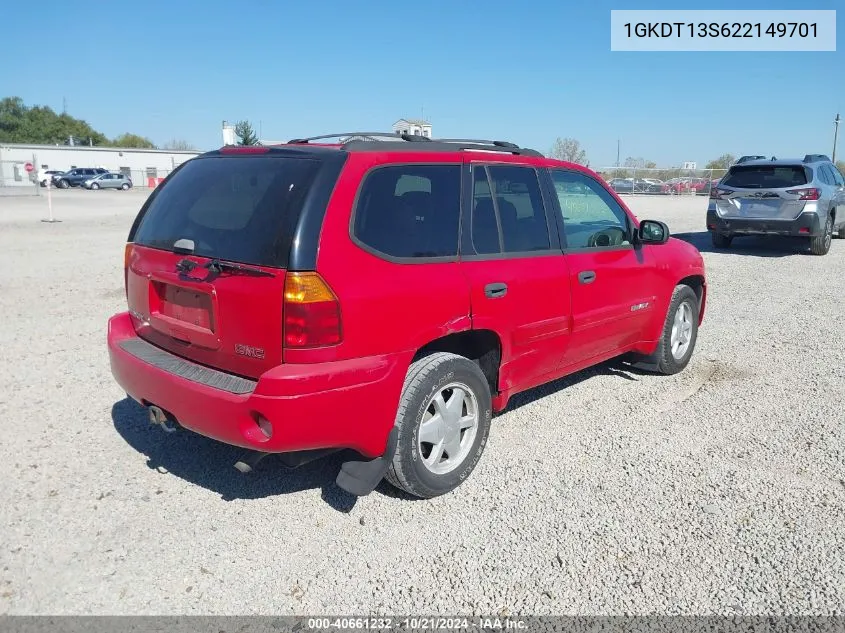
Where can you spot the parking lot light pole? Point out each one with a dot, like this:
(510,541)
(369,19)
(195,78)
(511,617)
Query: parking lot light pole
(835,135)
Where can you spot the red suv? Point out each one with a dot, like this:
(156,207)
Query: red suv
(387,296)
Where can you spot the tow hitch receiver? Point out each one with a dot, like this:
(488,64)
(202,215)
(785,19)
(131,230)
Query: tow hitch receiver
(160,418)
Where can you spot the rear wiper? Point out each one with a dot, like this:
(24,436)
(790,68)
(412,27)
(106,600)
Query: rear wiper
(216,266)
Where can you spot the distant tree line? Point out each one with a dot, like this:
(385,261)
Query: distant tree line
(20,123)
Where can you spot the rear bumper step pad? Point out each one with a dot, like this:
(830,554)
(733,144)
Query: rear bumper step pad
(157,357)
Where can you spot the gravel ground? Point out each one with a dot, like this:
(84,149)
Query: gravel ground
(720,490)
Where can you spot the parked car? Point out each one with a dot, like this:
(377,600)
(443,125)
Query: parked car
(634,185)
(804,198)
(109,181)
(77,176)
(304,298)
(46,176)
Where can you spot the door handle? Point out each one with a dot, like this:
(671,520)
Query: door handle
(496,290)
(587,276)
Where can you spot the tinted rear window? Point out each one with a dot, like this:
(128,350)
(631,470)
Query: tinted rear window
(236,208)
(765,176)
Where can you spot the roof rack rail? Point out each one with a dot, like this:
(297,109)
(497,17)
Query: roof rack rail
(812,158)
(375,142)
(502,144)
(368,135)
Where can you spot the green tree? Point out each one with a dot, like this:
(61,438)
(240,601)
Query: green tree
(246,133)
(840,165)
(639,163)
(40,124)
(178,145)
(568,149)
(132,140)
(723,162)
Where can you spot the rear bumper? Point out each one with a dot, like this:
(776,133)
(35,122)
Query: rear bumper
(805,225)
(340,404)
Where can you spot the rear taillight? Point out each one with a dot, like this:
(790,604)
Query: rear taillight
(717,193)
(311,312)
(806,194)
(127,253)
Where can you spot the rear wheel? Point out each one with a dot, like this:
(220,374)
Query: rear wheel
(721,240)
(124,186)
(443,421)
(820,245)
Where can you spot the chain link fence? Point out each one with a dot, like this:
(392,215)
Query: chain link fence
(671,181)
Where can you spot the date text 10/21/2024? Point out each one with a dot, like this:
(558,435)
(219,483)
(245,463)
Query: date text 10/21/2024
(723,30)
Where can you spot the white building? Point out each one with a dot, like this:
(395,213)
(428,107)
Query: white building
(413,126)
(146,167)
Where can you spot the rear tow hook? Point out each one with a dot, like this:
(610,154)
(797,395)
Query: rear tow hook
(160,418)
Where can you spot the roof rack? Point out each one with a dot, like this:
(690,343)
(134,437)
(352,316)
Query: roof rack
(813,158)
(365,135)
(374,142)
(503,144)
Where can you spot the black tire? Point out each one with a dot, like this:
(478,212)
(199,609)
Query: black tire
(841,233)
(424,380)
(124,186)
(663,359)
(94,185)
(720,240)
(820,244)
(64,184)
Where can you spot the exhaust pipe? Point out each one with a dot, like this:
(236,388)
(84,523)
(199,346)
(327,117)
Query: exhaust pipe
(250,461)
(160,418)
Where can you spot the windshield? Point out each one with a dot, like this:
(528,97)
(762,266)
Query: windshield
(236,208)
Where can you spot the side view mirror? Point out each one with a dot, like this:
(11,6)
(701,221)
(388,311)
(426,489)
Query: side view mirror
(653,232)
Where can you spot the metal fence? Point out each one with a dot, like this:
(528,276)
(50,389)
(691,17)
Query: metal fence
(671,181)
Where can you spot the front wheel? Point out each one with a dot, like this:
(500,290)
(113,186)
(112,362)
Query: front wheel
(680,332)
(820,245)
(94,185)
(64,184)
(443,422)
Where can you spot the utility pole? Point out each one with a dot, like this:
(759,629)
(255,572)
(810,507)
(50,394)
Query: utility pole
(617,153)
(835,135)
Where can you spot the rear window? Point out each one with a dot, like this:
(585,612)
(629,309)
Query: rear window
(765,176)
(237,208)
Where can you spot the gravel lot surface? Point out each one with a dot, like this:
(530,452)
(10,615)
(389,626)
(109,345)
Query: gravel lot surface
(719,490)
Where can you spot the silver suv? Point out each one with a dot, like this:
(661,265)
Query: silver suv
(804,198)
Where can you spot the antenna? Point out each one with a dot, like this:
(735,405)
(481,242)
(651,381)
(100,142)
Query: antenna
(64,105)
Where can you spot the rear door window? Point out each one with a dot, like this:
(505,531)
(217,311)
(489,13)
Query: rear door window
(410,211)
(237,208)
(766,176)
(508,214)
